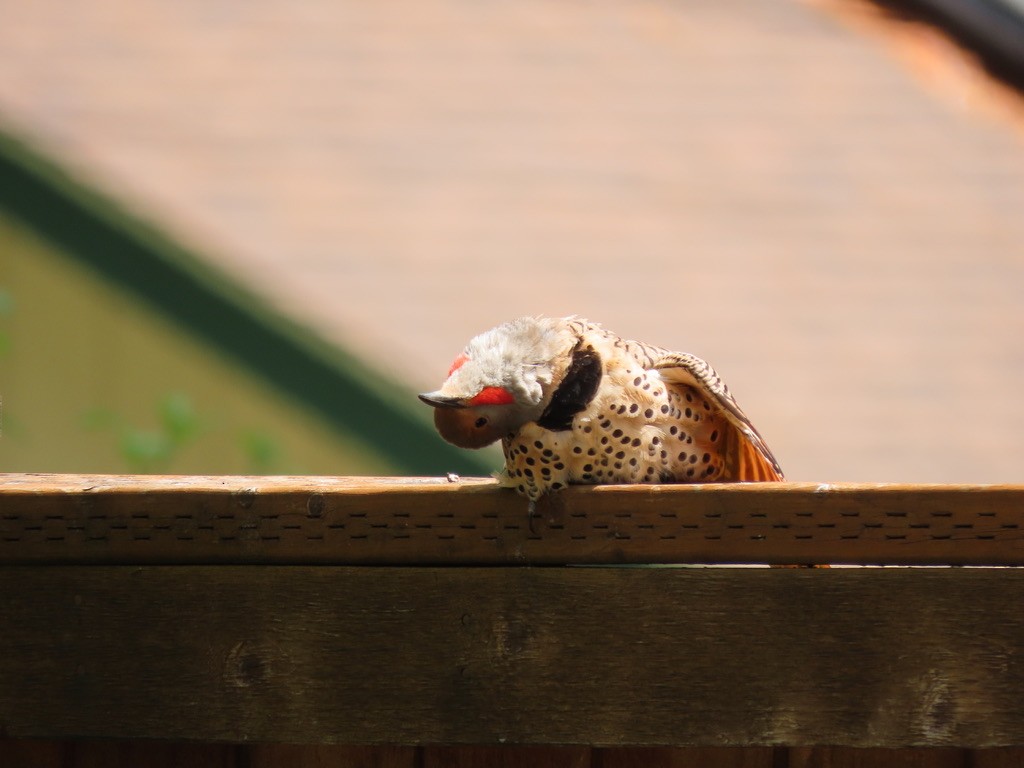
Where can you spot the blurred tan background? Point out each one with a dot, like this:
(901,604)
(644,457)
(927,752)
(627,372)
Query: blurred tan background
(776,187)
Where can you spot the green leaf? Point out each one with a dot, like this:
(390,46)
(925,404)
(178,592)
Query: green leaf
(178,417)
(262,450)
(144,449)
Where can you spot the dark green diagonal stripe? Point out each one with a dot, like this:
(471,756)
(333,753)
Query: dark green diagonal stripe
(351,398)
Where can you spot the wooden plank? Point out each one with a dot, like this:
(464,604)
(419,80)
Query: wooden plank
(71,754)
(324,755)
(506,757)
(401,521)
(589,656)
(688,757)
(847,757)
(1001,757)
(67,754)
(33,754)
(147,754)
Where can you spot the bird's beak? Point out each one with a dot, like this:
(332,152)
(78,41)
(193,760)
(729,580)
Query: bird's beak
(441,401)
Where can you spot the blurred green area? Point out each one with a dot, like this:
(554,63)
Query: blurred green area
(92,380)
(124,350)
(6,307)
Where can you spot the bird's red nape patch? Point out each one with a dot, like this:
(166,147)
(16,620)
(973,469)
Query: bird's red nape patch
(457,363)
(492,396)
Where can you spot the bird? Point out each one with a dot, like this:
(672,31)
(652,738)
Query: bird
(573,403)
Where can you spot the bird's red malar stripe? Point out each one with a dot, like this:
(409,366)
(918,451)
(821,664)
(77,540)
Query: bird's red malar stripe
(492,396)
(457,363)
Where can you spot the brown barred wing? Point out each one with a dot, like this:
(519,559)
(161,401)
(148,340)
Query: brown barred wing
(748,457)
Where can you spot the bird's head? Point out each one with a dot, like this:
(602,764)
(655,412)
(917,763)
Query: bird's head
(501,381)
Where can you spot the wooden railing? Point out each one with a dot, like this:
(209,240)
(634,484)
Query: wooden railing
(400,615)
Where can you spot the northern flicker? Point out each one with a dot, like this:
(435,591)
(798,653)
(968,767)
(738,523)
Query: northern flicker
(574,403)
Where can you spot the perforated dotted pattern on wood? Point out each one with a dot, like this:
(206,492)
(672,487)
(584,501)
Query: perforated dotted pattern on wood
(60,518)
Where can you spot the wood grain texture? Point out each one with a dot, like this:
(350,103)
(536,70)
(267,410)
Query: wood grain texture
(846,757)
(328,756)
(18,753)
(21,753)
(1000,757)
(589,656)
(506,757)
(27,753)
(401,521)
(148,754)
(689,757)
